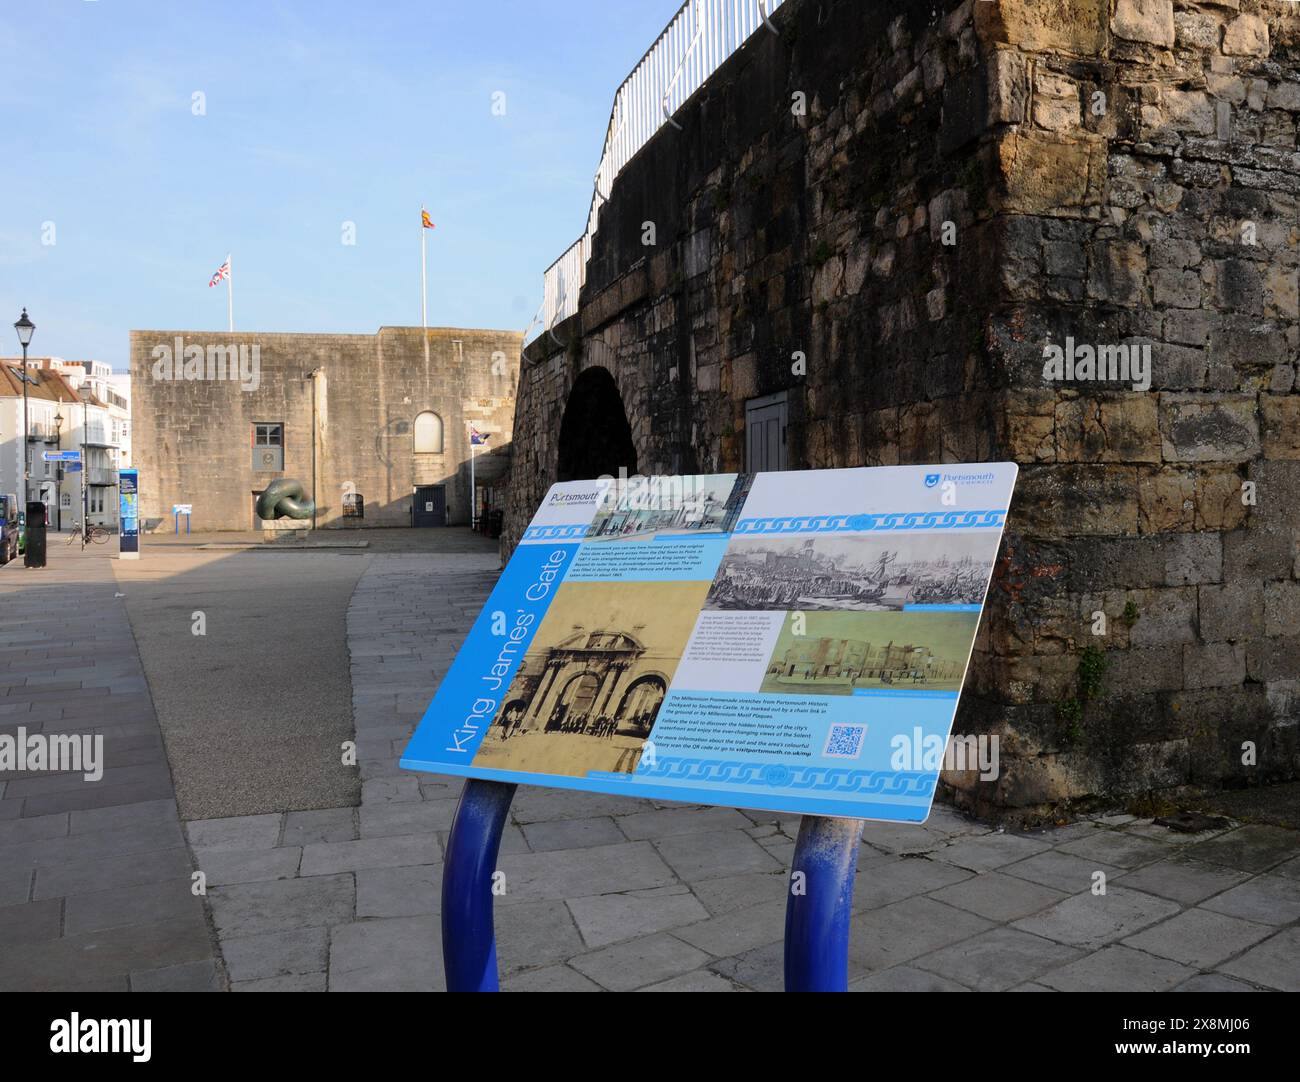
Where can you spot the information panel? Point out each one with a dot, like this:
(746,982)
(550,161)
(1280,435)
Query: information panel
(128,519)
(790,642)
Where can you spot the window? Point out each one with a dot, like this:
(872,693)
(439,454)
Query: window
(268,446)
(428,433)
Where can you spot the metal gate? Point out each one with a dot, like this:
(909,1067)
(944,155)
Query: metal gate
(429,506)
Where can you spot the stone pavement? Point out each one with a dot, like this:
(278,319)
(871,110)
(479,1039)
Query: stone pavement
(601,892)
(621,894)
(94,876)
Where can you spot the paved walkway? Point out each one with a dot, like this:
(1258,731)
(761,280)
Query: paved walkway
(601,892)
(256,708)
(620,894)
(94,876)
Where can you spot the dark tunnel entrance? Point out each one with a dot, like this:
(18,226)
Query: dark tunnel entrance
(595,438)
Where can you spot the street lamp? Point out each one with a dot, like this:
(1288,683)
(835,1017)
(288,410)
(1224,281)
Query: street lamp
(25,328)
(58,471)
(83,392)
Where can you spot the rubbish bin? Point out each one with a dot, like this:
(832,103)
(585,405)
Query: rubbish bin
(35,555)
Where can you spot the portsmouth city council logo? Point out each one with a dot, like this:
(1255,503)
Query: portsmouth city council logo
(931,479)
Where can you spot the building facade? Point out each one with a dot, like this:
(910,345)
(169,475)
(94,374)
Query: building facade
(376,428)
(72,406)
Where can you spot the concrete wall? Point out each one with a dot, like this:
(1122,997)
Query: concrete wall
(192,439)
(1095,164)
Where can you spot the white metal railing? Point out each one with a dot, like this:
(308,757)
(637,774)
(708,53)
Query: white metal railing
(698,40)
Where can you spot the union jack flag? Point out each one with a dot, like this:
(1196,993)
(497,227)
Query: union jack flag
(223,272)
(476,437)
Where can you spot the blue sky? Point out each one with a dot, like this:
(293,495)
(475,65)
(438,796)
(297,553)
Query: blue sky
(318,112)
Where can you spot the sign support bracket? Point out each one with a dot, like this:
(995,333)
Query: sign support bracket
(469,945)
(818,909)
(816,918)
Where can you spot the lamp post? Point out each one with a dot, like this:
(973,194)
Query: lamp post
(83,392)
(25,328)
(59,471)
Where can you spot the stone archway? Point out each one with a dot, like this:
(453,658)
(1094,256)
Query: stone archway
(576,699)
(595,437)
(640,704)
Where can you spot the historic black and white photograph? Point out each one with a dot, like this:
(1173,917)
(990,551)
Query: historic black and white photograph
(639,508)
(593,678)
(855,572)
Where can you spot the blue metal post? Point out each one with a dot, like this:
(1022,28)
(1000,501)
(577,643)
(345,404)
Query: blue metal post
(817,911)
(469,946)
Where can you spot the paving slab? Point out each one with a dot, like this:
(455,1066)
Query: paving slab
(905,979)
(535,934)
(550,979)
(715,853)
(1266,899)
(399,892)
(1271,963)
(400,954)
(998,897)
(881,938)
(998,959)
(1199,938)
(1093,920)
(1249,848)
(604,919)
(1065,872)
(639,962)
(1117,847)
(702,980)
(201,976)
(1183,879)
(1118,969)
(276,954)
(282,905)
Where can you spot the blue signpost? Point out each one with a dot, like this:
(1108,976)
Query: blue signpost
(179,509)
(128,532)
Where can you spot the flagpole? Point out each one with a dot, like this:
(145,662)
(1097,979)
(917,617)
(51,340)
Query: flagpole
(230,294)
(473,495)
(424,290)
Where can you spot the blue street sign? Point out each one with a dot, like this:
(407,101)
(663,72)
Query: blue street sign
(62,456)
(72,467)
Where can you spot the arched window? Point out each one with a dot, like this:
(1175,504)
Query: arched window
(428,433)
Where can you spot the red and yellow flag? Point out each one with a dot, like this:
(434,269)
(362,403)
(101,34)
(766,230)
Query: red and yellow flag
(425,220)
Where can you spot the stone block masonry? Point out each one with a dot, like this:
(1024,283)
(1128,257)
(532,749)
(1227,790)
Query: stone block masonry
(194,437)
(969,186)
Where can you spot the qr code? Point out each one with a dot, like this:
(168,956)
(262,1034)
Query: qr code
(845,741)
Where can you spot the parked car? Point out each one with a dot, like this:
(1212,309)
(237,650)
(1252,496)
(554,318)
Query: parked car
(11,530)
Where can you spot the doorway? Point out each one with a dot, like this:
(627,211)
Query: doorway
(429,506)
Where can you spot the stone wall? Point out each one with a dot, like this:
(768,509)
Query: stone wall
(192,438)
(972,183)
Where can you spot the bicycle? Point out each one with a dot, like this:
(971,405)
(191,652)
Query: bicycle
(92,534)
